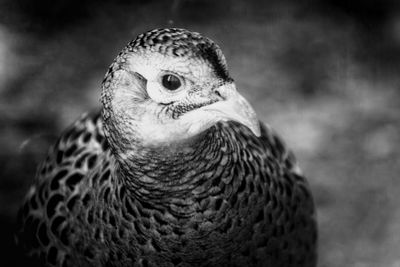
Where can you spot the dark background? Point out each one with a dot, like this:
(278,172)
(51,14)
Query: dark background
(323,73)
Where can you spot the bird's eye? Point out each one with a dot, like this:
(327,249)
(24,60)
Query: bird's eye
(171,82)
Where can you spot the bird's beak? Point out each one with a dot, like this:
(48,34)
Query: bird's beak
(232,106)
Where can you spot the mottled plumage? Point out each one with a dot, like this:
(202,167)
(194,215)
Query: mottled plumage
(113,193)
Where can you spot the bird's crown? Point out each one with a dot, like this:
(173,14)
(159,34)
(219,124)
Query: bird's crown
(181,43)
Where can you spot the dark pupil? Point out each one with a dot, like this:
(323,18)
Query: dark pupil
(171,82)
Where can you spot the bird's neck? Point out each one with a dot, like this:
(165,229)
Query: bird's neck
(189,167)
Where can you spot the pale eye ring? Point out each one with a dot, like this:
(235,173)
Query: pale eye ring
(171,82)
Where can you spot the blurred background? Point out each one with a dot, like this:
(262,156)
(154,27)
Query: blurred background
(324,74)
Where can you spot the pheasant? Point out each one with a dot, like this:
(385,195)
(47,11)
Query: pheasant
(176,170)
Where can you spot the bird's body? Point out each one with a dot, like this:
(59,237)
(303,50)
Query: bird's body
(223,194)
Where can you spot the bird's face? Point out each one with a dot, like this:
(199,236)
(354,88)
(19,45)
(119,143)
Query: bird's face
(170,85)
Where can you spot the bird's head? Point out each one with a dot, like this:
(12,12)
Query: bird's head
(169,85)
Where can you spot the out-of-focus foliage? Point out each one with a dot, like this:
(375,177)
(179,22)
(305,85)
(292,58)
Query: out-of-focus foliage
(323,73)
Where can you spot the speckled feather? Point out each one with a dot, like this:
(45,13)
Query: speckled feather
(238,201)
(224,198)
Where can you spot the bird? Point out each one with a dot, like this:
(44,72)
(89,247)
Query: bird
(176,169)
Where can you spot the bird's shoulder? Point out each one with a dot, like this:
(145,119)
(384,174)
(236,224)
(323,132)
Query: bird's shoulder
(270,157)
(276,148)
(77,152)
(61,185)
(291,189)
(290,170)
